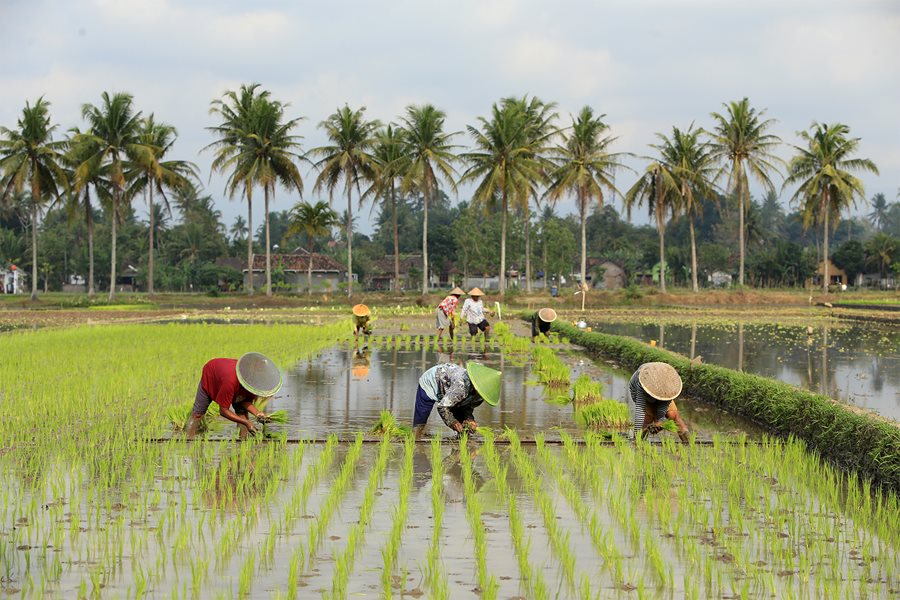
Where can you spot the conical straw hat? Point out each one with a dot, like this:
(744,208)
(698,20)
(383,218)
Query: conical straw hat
(486,381)
(361,310)
(258,374)
(660,380)
(456,292)
(476,292)
(547,315)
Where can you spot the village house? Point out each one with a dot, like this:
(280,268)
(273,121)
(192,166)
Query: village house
(292,269)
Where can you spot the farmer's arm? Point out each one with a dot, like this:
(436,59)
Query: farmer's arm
(455,394)
(236,418)
(260,415)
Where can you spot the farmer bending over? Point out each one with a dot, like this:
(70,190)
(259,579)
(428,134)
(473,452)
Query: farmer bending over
(234,384)
(473,312)
(654,387)
(362,323)
(540,322)
(457,391)
(444,313)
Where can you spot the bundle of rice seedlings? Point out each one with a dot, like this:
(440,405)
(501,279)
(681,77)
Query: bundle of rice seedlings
(387,425)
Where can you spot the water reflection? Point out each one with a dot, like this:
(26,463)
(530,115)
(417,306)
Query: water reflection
(856,364)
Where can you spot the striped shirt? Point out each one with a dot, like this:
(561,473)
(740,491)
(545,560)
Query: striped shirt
(642,402)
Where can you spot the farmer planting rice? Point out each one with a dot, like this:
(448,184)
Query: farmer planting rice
(654,387)
(540,322)
(362,323)
(234,384)
(444,315)
(457,391)
(473,312)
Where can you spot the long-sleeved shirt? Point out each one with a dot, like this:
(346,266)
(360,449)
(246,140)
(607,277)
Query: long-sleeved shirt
(448,305)
(473,312)
(450,387)
(219,381)
(643,401)
(538,326)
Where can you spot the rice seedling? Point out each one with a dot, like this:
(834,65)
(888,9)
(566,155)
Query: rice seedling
(605,415)
(487,583)
(435,577)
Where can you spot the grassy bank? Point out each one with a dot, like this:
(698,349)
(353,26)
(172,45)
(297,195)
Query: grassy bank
(864,443)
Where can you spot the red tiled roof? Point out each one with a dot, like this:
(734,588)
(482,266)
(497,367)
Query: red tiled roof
(298,262)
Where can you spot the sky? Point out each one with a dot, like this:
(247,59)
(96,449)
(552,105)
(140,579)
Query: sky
(648,65)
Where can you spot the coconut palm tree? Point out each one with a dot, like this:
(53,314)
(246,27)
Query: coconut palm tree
(312,220)
(690,161)
(881,249)
(86,169)
(658,187)
(114,131)
(157,176)
(236,110)
(30,156)
(823,172)
(388,153)
(541,117)
(348,157)
(878,216)
(743,145)
(585,166)
(428,156)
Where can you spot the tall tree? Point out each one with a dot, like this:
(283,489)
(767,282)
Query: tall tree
(879,214)
(313,221)
(745,148)
(30,156)
(158,176)
(585,166)
(348,157)
(690,162)
(658,187)
(823,171)
(503,164)
(86,170)
(236,109)
(428,157)
(389,156)
(540,116)
(114,132)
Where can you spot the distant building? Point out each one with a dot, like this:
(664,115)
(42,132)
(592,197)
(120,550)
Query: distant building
(608,274)
(327,273)
(719,279)
(12,280)
(836,276)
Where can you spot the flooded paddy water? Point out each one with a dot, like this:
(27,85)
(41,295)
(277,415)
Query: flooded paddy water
(92,506)
(858,364)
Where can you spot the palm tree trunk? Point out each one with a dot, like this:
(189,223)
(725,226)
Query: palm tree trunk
(396,238)
(349,243)
(150,262)
(112,262)
(582,210)
(425,242)
(544,236)
(527,250)
(742,189)
(268,244)
(693,256)
(34,270)
(660,226)
(503,208)
(249,243)
(309,268)
(89,219)
(825,278)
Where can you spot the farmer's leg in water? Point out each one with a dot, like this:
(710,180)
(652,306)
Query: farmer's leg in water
(201,404)
(424,404)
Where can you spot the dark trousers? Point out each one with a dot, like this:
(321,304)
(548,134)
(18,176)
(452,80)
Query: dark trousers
(424,404)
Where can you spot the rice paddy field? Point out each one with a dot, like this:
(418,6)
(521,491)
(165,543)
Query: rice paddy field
(99,498)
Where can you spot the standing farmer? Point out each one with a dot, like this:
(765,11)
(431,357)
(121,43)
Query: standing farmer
(234,384)
(473,312)
(444,314)
(457,391)
(540,322)
(654,387)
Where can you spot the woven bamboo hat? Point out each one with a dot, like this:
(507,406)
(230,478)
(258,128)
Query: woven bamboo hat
(547,315)
(660,380)
(361,310)
(476,292)
(457,292)
(486,381)
(258,374)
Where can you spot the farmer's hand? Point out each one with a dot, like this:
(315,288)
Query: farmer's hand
(457,427)
(263,418)
(655,427)
(471,424)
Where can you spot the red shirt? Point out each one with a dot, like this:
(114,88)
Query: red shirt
(448,305)
(220,381)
